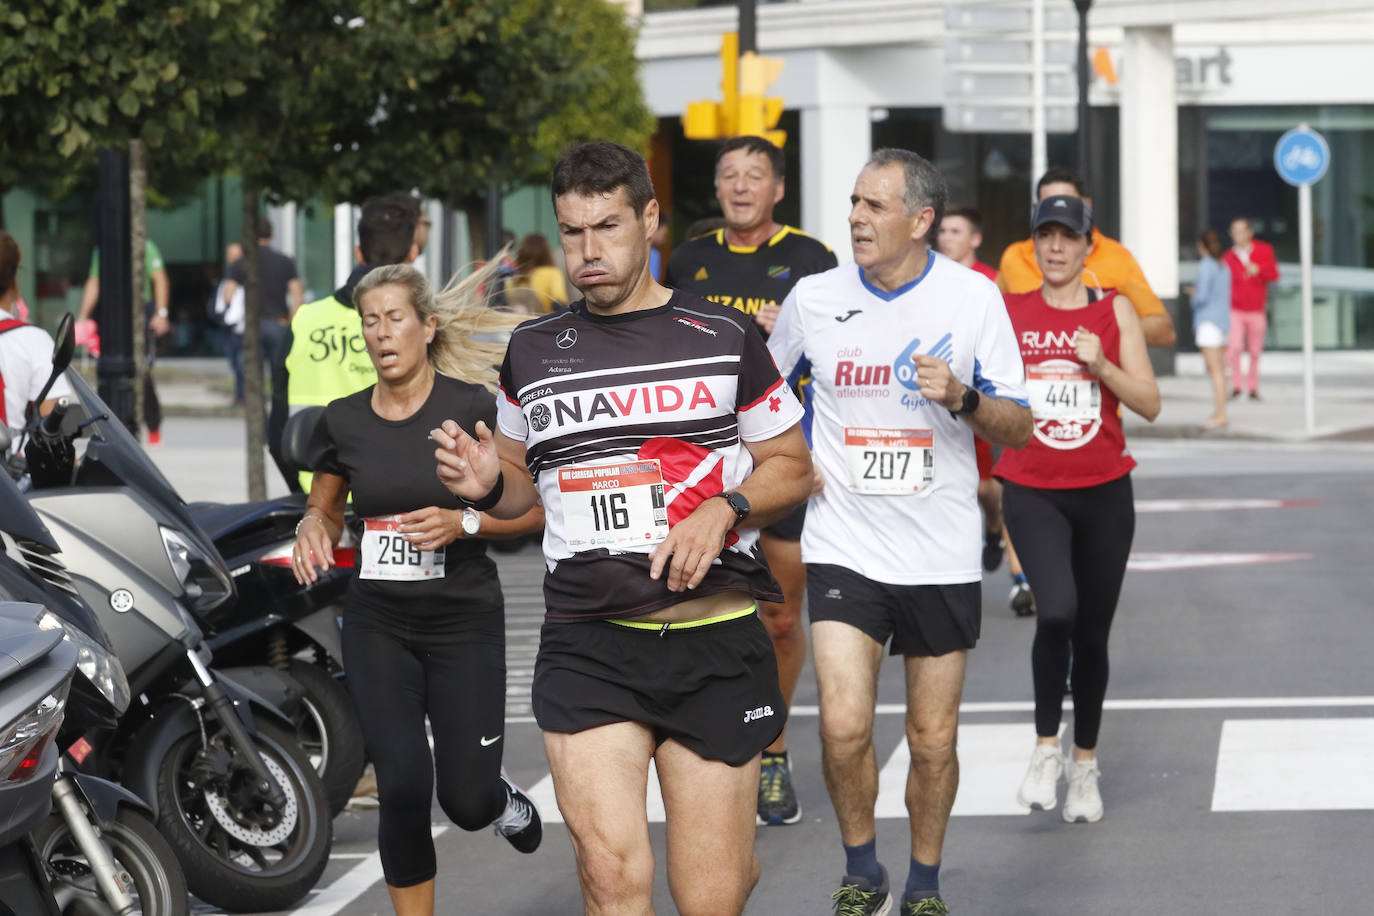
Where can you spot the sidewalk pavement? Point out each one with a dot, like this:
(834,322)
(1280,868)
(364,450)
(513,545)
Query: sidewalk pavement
(203,387)
(1344,401)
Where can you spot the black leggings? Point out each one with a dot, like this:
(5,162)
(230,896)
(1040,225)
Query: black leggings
(1073,545)
(397,677)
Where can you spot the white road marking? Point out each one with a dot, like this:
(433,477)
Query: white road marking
(1158,562)
(1143,705)
(346,888)
(992,760)
(1295,765)
(1143,506)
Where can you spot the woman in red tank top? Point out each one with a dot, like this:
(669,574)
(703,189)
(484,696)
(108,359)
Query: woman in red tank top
(1067,496)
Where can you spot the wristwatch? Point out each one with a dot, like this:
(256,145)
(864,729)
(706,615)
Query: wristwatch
(970,402)
(472,522)
(738,503)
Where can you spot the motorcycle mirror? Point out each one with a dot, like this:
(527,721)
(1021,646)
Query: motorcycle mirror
(62,351)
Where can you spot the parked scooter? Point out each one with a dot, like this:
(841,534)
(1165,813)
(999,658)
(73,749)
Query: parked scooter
(292,627)
(239,802)
(35,675)
(102,851)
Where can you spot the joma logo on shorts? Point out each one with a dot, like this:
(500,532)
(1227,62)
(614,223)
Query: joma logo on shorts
(753,715)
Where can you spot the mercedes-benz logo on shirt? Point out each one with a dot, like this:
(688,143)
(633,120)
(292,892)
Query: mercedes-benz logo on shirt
(566,338)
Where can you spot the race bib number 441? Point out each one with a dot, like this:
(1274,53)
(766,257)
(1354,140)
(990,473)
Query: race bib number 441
(390,556)
(889,461)
(1064,391)
(613,506)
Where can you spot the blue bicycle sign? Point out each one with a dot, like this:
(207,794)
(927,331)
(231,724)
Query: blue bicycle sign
(1301,156)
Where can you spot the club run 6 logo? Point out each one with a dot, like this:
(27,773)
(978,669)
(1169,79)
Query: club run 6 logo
(857,378)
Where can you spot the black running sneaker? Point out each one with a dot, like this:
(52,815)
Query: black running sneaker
(777,800)
(519,823)
(857,897)
(1022,599)
(912,905)
(993,548)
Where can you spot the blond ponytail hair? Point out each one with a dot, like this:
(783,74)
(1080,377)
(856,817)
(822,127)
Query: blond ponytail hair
(462,312)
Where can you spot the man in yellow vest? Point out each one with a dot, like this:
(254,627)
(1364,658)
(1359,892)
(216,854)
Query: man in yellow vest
(328,358)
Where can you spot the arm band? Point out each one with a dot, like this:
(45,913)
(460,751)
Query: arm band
(486,503)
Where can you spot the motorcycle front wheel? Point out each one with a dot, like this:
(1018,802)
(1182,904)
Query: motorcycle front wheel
(137,848)
(239,853)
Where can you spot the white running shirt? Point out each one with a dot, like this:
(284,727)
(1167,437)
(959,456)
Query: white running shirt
(901,480)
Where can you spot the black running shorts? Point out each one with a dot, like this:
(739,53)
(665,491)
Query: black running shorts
(923,620)
(713,688)
(789,528)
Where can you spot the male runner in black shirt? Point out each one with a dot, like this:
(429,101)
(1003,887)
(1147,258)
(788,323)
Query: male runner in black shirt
(752,264)
(657,432)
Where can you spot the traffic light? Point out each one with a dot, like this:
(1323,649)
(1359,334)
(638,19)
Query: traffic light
(745,109)
(759,113)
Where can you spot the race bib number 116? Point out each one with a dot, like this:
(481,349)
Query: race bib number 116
(613,506)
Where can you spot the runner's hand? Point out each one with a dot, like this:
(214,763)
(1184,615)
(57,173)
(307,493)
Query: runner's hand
(159,325)
(313,549)
(1087,347)
(432,528)
(693,543)
(938,382)
(767,318)
(467,466)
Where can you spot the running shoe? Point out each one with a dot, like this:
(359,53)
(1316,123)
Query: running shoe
(993,548)
(1254,396)
(519,823)
(154,437)
(365,792)
(1083,801)
(1040,788)
(1022,599)
(913,905)
(777,800)
(857,897)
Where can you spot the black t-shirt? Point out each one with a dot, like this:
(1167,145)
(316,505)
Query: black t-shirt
(390,467)
(747,278)
(275,271)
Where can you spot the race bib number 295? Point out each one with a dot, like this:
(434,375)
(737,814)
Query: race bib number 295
(388,555)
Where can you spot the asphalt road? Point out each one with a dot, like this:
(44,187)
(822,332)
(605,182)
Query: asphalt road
(1236,750)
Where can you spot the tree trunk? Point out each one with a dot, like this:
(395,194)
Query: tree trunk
(255,406)
(138,267)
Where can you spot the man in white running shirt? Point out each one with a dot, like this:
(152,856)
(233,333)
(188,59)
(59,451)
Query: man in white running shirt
(910,355)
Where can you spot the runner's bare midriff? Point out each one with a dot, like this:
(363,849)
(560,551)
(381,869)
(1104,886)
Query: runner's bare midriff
(701,608)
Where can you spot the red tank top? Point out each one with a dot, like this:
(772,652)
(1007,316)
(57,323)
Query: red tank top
(1078,440)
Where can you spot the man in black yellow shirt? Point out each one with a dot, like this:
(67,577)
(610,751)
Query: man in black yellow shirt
(752,264)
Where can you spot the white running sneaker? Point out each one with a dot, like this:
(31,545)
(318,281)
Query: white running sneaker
(1040,789)
(1083,802)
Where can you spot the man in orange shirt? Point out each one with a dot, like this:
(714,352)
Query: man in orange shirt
(1109,265)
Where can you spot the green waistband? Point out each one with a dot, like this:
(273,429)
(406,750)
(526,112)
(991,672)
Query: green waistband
(685,625)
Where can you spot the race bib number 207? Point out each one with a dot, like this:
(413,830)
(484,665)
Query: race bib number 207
(889,461)
(613,506)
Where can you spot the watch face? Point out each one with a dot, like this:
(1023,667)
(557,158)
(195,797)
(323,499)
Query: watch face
(738,503)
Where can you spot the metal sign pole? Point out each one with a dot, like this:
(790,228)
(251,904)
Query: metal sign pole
(1309,383)
(1039,146)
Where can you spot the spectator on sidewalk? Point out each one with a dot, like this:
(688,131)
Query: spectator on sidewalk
(1211,299)
(230,315)
(1253,268)
(157,293)
(280,293)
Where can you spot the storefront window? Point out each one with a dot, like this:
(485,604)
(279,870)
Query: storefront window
(1236,145)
